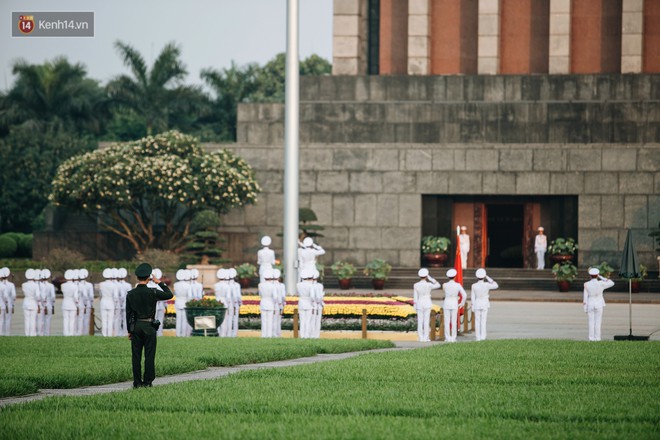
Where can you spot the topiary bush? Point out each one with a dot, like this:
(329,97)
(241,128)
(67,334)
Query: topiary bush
(162,259)
(61,259)
(7,246)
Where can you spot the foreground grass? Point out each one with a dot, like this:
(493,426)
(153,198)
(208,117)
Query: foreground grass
(29,364)
(495,389)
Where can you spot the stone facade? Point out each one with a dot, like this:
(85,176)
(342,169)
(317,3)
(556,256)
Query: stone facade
(372,146)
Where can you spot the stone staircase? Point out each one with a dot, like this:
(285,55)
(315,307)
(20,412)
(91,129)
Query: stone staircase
(508,279)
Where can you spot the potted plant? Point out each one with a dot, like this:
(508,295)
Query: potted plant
(205,307)
(245,272)
(636,283)
(378,270)
(434,250)
(564,273)
(605,269)
(344,272)
(562,249)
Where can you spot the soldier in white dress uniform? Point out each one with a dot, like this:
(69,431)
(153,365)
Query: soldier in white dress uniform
(197,287)
(41,302)
(161,306)
(124,287)
(422,303)
(109,293)
(4,295)
(464,243)
(265,257)
(237,301)
(479,297)
(279,303)
(540,246)
(222,294)
(451,305)
(31,300)
(305,290)
(308,254)
(317,305)
(10,300)
(71,298)
(267,293)
(594,302)
(48,300)
(182,293)
(87,297)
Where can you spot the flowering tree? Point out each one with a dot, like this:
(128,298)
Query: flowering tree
(149,190)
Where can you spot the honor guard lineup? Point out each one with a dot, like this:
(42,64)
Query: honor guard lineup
(78,297)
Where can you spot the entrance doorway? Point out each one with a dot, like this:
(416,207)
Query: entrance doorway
(505,235)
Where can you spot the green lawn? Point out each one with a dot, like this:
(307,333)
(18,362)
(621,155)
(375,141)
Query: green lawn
(29,364)
(524,389)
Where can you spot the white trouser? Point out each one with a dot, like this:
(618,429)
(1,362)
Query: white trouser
(7,330)
(80,318)
(277,323)
(464,256)
(595,320)
(3,317)
(318,314)
(305,321)
(181,323)
(107,321)
(267,317)
(47,321)
(116,322)
(540,259)
(451,329)
(69,320)
(480,318)
(86,319)
(234,321)
(160,316)
(122,330)
(41,318)
(30,322)
(423,324)
(226,326)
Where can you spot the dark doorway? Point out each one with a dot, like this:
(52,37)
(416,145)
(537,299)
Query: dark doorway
(505,235)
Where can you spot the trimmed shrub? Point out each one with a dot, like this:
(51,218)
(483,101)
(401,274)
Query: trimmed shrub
(8,246)
(162,259)
(61,259)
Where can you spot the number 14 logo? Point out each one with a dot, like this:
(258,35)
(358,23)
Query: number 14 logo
(26,23)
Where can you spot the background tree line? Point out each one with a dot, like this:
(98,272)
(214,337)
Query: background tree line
(54,111)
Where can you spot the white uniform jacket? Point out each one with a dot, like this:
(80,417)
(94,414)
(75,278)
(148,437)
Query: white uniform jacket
(479,294)
(422,293)
(305,293)
(452,289)
(267,293)
(593,292)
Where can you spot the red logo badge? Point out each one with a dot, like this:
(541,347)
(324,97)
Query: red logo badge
(26,23)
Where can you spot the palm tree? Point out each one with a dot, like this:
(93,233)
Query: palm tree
(54,95)
(157,94)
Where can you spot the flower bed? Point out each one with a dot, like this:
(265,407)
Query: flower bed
(385,312)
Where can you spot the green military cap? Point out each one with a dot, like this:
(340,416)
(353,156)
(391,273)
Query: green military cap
(143,270)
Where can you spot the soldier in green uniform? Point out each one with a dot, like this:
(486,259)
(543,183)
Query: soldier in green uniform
(140,312)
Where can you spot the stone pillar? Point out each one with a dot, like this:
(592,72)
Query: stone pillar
(488,61)
(632,27)
(419,37)
(560,37)
(349,37)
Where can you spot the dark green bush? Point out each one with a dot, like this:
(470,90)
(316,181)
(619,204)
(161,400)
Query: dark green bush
(8,246)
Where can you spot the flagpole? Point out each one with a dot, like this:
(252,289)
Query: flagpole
(291,149)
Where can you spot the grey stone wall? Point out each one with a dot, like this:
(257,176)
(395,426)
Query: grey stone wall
(371,146)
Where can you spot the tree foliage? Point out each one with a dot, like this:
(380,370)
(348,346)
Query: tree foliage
(149,190)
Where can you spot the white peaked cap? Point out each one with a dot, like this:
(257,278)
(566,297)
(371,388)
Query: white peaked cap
(187,274)
(594,271)
(268,274)
(179,275)
(220,274)
(194,273)
(122,272)
(423,272)
(463,228)
(68,274)
(84,273)
(277,273)
(37,274)
(232,273)
(107,273)
(4,272)
(45,274)
(307,242)
(451,273)
(157,273)
(480,273)
(114,272)
(76,274)
(540,228)
(266,240)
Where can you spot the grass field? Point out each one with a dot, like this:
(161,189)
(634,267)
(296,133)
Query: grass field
(29,364)
(524,389)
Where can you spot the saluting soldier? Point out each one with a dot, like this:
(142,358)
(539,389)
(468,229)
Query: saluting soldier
(594,302)
(71,298)
(422,303)
(480,302)
(140,312)
(451,305)
(109,292)
(308,254)
(265,257)
(161,306)
(10,298)
(30,302)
